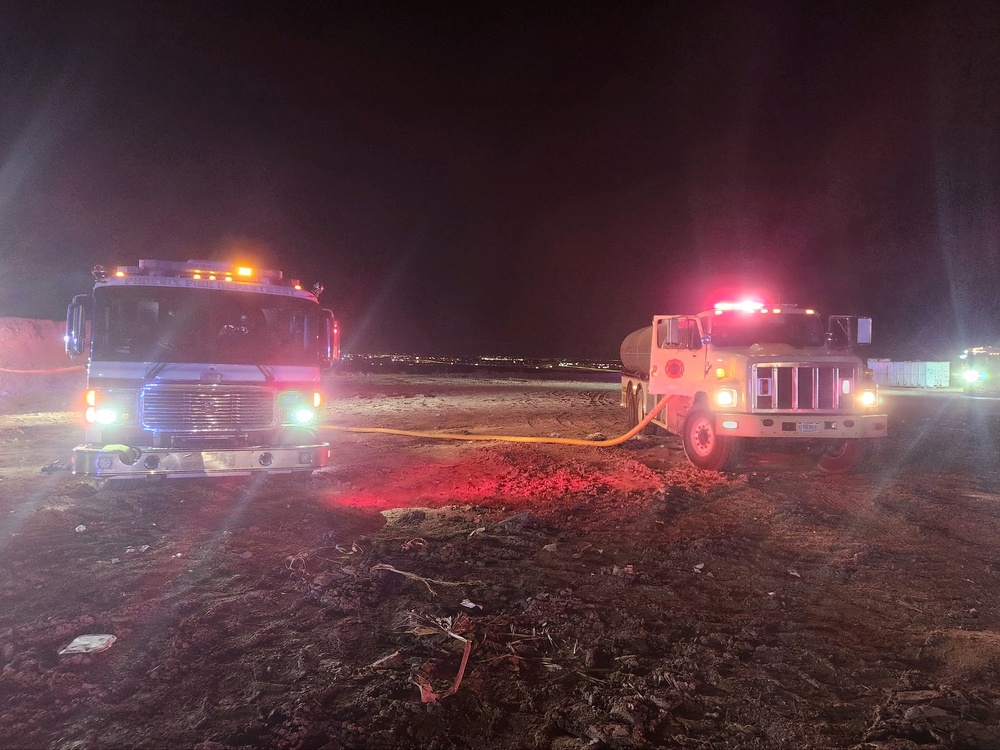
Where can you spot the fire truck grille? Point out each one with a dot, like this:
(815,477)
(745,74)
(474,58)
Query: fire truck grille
(206,409)
(797,388)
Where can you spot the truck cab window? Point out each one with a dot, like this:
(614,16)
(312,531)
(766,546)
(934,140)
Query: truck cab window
(678,333)
(689,335)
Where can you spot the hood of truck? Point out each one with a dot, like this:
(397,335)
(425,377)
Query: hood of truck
(781,353)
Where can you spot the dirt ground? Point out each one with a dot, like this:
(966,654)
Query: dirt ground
(440,594)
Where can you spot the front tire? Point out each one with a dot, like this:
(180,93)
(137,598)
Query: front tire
(706,448)
(845,457)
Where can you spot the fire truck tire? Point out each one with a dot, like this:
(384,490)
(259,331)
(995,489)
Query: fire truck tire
(631,407)
(705,448)
(845,457)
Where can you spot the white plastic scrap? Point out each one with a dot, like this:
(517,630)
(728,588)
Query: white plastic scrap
(88,644)
(80,528)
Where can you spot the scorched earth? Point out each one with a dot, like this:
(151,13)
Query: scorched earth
(449,594)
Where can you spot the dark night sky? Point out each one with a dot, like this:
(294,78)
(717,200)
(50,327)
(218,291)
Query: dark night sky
(498,181)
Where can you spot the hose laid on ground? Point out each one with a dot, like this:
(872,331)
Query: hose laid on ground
(510,438)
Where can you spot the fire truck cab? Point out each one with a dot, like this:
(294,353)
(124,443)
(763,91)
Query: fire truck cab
(744,372)
(200,368)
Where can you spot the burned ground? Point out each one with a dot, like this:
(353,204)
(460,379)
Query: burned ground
(451,594)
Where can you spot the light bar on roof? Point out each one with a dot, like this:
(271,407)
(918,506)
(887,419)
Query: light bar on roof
(742,306)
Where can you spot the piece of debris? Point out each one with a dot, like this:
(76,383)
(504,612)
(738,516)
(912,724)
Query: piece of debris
(471,604)
(699,567)
(413,576)
(389,660)
(80,528)
(794,573)
(422,625)
(916,696)
(88,644)
(56,466)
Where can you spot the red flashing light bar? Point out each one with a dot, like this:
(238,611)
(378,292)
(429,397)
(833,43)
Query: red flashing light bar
(750,306)
(744,306)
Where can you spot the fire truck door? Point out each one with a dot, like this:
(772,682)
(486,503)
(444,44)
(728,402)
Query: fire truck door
(676,359)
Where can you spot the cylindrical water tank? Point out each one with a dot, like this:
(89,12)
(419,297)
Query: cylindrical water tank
(635,351)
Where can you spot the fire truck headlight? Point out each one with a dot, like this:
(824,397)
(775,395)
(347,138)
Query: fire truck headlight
(297,408)
(304,415)
(868,398)
(105,415)
(725,398)
(971,376)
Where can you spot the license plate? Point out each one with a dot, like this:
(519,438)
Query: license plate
(807,426)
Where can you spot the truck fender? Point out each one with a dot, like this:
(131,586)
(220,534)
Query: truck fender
(677,411)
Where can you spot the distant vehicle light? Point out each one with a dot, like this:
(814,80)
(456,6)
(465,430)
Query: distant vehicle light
(244,271)
(971,376)
(304,415)
(725,397)
(317,399)
(868,398)
(720,372)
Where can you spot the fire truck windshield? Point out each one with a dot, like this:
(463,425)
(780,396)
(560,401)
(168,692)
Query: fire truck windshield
(171,324)
(740,329)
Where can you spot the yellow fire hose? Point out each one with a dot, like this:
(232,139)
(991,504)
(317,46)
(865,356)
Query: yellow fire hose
(510,438)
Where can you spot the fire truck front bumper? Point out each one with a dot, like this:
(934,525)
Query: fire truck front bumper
(113,461)
(807,426)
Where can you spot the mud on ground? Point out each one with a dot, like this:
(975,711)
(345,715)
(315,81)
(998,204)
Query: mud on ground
(425,594)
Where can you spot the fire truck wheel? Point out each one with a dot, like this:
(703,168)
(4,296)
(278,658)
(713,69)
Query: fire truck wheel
(845,457)
(631,406)
(705,448)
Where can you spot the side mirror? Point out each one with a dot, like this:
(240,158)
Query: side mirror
(76,326)
(864,330)
(330,342)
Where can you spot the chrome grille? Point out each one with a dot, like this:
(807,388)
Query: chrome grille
(799,388)
(206,408)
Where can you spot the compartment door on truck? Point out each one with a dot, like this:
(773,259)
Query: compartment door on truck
(676,359)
